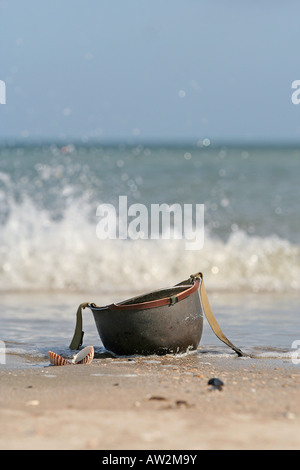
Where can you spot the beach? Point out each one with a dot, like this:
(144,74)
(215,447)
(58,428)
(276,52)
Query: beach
(152,403)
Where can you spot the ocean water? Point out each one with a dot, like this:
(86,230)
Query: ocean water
(51,258)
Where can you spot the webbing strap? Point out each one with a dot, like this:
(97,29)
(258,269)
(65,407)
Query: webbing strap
(78,334)
(212,320)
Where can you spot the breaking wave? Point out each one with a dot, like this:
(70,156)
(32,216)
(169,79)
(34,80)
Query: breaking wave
(41,253)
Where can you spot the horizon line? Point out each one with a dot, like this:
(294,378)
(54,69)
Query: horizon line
(133,142)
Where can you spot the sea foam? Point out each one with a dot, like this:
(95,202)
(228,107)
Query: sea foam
(41,253)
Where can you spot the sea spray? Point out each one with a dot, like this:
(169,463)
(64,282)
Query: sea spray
(39,253)
(48,203)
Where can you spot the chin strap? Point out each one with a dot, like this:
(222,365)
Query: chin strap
(211,318)
(78,334)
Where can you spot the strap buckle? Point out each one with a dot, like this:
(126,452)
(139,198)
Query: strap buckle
(173,299)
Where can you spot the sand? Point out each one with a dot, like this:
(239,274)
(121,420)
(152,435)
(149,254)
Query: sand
(147,403)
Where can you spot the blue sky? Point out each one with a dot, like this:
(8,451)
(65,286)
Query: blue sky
(153,70)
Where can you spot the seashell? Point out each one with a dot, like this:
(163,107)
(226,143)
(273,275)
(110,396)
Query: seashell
(85,356)
(58,360)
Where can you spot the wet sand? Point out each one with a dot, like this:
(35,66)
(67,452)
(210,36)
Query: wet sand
(152,403)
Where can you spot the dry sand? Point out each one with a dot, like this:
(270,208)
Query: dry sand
(152,403)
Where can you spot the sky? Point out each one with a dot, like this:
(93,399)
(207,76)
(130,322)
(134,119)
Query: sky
(150,70)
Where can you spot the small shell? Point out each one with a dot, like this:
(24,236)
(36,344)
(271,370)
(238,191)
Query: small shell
(85,356)
(57,360)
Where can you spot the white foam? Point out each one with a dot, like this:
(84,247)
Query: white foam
(276,355)
(30,353)
(39,253)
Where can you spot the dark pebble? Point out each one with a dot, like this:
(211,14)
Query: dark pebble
(216,383)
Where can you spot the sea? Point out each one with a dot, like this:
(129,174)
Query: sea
(52,257)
